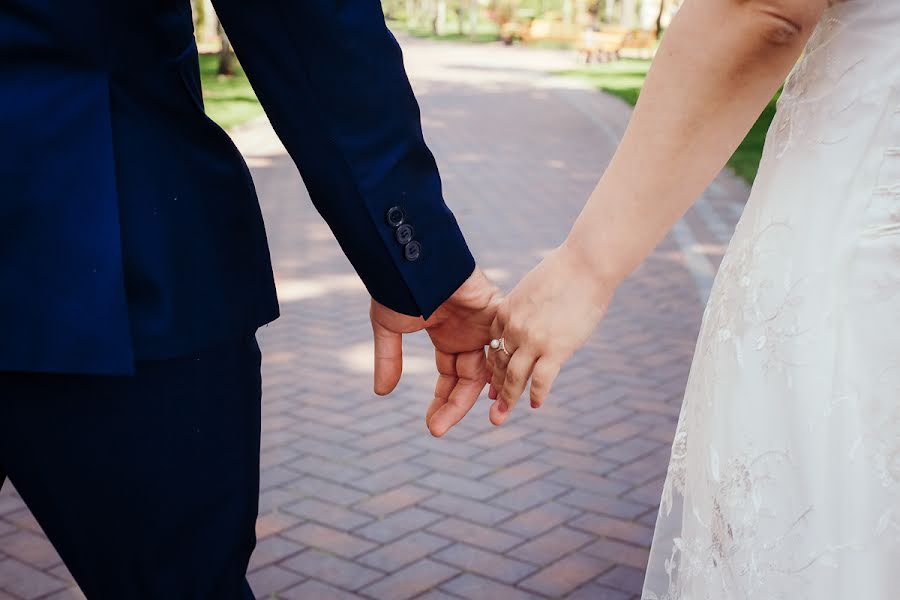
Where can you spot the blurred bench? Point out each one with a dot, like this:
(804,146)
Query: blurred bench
(540,30)
(610,43)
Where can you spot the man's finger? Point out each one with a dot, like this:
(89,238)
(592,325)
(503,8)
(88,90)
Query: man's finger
(388,358)
(542,378)
(470,368)
(517,374)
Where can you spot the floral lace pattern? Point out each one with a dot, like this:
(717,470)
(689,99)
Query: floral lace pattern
(784,480)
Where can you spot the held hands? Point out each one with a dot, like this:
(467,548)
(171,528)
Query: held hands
(548,316)
(459,329)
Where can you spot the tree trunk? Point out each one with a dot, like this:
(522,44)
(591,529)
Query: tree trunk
(440,20)
(473,19)
(226,55)
(628,13)
(659,16)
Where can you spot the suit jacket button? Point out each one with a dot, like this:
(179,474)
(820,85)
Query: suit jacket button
(412,251)
(404,234)
(395,216)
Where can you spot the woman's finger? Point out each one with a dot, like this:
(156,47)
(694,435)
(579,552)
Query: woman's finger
(498,373)
(496,333)
(542,378)
(517,374)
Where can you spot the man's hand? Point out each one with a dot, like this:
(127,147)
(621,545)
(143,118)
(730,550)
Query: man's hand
(459,329)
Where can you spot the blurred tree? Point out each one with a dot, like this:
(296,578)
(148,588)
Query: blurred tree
(503,11)
(226,54)
(659,17)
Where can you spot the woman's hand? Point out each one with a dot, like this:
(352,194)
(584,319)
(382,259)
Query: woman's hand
(548,316)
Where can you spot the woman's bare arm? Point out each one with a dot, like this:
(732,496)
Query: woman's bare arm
(717,67)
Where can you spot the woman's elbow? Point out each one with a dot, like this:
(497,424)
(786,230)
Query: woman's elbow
(785,22)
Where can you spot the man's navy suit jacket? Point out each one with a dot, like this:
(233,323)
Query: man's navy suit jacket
(129,225)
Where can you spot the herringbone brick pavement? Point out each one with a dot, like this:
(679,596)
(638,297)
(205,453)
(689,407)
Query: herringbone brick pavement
(356,499)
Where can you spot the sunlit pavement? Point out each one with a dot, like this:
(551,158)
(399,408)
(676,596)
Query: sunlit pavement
(357,500)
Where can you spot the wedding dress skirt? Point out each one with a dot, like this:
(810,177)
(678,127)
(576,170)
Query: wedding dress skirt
(784,481)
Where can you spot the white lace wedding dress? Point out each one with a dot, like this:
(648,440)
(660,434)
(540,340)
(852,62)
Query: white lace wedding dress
(784,481)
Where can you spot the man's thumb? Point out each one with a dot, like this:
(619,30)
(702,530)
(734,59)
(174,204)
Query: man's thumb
(388,359)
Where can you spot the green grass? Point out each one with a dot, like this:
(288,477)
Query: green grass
(624,78)
(485,31)
(229,101)
(481,37)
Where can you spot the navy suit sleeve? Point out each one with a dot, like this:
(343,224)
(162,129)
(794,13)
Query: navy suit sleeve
(331,79)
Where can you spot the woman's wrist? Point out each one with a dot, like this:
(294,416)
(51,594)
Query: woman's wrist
(599,278)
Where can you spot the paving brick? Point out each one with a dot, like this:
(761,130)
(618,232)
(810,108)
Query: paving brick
(626,579)
(436,595)
(475,560)
(328,539)
(10,503)
(410,581)
(399,553)
(576,461)
(272,579)
(66,594)
(620,529)
(387,457)
(649,493)
(471,510)
(518,474)
(398,524)
(473,587)
(327,491)
(332,569)
(275,476)
(477,535)
(327,514)
(316,590)
(551,546)
(272,550)
(614,507)
(592,591)
(6,527)
(509,453)
(24,581)
(619,552)
(62,573)
(390,477)
(461,486)
(334,471)
(452,465)
(30,548)
(328,450)
(272,499)
(391,501)
(566,574)
(529,495)
(274,522)
(588,481)
(539,519)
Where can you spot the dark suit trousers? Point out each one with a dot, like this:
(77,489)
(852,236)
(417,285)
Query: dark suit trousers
(146,485)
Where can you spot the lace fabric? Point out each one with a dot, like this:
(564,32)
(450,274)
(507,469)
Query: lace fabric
(784,480)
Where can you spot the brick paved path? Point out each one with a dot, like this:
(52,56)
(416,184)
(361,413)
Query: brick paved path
(357,500)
